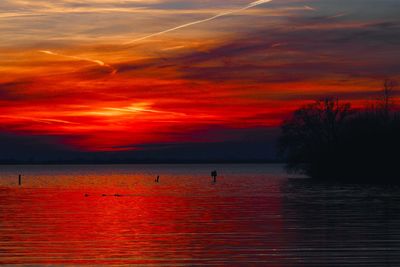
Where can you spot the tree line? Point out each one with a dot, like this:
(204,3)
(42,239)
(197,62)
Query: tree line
(330,140)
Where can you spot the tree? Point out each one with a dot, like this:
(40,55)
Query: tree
(330,141)
(313,127)
(386,101)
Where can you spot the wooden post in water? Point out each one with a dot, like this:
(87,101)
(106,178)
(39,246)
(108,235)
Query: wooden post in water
(214,176)
(19,180)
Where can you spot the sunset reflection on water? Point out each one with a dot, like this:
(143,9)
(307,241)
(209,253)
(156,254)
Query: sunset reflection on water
(253,215)
(183,220)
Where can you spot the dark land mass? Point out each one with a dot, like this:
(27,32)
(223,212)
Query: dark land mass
(328,140)
(34,151)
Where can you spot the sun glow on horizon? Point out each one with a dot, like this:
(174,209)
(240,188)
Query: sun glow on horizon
(111,75)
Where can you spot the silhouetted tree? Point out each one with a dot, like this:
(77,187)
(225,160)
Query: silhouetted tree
(312,127)
(329,140)
(387,98)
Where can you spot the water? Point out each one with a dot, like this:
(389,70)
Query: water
(253,216)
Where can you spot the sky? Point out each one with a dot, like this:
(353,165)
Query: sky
(132,75)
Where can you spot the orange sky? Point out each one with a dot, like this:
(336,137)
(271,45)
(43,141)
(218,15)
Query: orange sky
(88,75)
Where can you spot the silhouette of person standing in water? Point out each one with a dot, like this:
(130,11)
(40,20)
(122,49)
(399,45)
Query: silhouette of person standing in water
(157,179)
(214,176)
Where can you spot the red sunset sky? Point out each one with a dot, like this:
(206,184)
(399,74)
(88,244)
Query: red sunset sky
(118,75)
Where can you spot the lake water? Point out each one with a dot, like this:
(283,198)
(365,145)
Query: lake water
(253,216)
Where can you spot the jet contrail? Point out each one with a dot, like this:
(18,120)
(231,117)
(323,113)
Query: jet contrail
(253,4)
(98,62)
(310,8)
(102,64)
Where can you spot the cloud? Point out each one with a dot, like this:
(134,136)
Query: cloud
(12,91)
(95,61)
(198,85)
(310,8)
(251,5)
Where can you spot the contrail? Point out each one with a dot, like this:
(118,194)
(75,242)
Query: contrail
(98,62)
(338,15)
(310,8)
(102,64)
(253,4)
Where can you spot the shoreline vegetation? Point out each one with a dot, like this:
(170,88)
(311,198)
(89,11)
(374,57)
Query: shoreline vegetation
(329,140)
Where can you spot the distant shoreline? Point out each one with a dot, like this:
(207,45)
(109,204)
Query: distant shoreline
(136,162)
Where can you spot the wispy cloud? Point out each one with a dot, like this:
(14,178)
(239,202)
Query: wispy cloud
(35,119)
(95,61)
(249,71)
(251,5)
(338,15)
(310,8)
